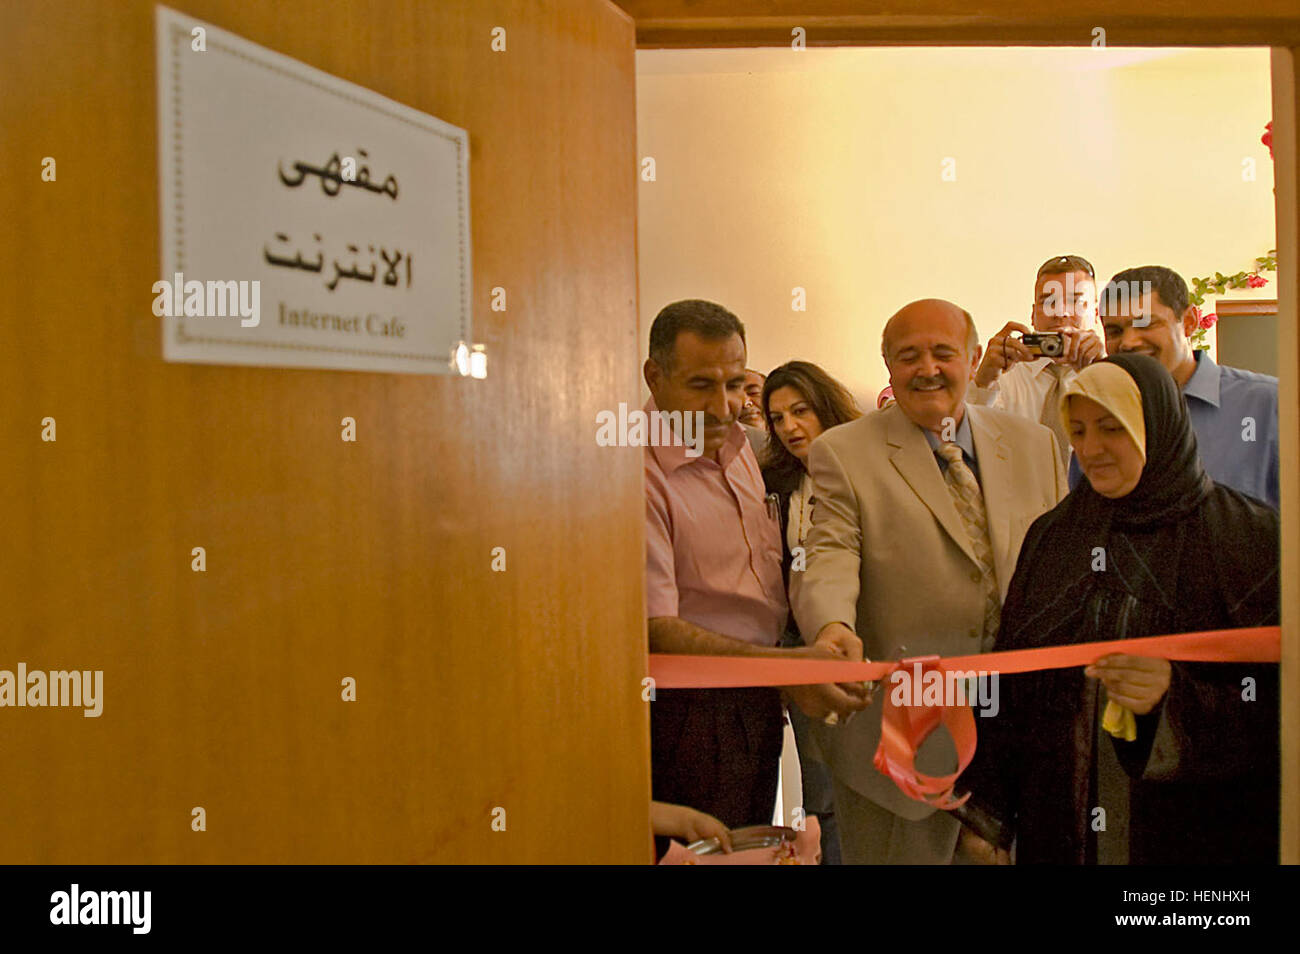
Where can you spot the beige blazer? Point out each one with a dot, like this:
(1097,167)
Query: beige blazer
(889,557)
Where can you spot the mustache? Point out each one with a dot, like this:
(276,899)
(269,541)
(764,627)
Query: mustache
(919,382)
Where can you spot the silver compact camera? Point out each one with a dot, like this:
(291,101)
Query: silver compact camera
(1047,344)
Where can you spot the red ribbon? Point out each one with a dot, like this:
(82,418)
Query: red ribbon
(904,728)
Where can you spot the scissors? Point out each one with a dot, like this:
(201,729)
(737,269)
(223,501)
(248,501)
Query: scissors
(833,718)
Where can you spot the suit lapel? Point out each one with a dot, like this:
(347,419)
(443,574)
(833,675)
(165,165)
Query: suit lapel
(912,457)
(993,451)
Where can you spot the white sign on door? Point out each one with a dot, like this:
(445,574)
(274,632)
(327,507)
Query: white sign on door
(306,221)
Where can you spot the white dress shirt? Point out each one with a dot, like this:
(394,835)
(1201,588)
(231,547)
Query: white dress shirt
(1021,389)
(799,518)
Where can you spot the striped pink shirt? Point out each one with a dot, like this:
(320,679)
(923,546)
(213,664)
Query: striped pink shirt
(713,554)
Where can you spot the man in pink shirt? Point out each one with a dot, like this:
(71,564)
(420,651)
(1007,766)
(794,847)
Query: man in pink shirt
(713,579)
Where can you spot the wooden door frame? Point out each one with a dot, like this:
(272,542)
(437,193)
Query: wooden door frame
(697,24)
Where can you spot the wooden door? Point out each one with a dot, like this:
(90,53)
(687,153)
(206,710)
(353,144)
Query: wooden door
(475,689)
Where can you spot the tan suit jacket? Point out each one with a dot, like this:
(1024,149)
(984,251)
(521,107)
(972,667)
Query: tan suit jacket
(888,556)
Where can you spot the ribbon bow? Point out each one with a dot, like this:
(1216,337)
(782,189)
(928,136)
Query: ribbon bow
(904,728)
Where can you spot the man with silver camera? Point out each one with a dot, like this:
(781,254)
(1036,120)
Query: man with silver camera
(1027,374)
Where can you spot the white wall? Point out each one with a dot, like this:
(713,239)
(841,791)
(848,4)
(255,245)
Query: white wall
(822,169)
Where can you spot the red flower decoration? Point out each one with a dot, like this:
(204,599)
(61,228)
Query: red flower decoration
(1267,139)
(1256,281)
(1208,321)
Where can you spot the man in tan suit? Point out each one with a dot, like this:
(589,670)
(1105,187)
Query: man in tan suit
(920,512)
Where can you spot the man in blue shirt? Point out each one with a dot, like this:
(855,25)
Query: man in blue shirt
(1233,412)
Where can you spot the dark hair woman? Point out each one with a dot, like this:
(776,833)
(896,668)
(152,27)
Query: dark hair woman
(800,401)
(1133,759)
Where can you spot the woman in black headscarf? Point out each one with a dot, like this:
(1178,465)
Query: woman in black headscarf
(1186,768)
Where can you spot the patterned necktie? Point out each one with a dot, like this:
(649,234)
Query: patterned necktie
(965,490)
(1051,415)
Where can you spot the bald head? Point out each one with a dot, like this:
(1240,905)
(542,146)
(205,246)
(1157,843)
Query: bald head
(931,349)
(930,312)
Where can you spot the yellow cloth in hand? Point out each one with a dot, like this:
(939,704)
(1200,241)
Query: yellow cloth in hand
(1119,722)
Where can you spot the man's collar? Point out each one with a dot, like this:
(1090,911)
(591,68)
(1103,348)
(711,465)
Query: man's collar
(736,442)
(962,438)
(672,456)
(1204,382)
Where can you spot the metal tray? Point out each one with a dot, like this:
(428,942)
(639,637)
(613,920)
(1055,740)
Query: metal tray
(756,836)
